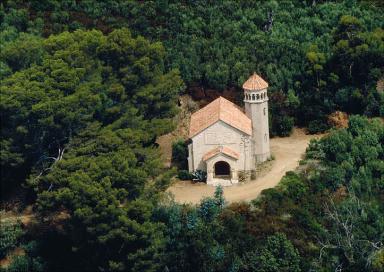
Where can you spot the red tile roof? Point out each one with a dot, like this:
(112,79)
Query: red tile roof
(221,149)
(255,83)
(219,109)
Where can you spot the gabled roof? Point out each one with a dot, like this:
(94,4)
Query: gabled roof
(223,150)
(255,83)
(219,109)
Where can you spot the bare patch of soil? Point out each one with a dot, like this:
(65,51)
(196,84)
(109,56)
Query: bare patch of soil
(187,106)
(25,217)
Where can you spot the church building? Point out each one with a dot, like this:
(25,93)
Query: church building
(226,141)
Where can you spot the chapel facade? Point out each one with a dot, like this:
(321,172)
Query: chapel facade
(227,141)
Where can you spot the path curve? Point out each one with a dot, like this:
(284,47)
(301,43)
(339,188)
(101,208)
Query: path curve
(287,151)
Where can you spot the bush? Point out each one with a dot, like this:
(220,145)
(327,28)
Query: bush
(192,105)
(19,264)
(180,154)
(200,175)
(317,126)
(282,125)
(276,254)
(10,233)
(314,150)
(185,175)
(26,263)
(378,260)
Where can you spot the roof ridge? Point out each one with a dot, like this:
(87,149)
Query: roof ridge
(220,111)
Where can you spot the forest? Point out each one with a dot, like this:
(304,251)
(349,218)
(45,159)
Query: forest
(86,88)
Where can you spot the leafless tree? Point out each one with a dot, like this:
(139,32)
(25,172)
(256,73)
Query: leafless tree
(53,161)
(343,234)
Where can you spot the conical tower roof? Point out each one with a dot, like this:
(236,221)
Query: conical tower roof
(255,83)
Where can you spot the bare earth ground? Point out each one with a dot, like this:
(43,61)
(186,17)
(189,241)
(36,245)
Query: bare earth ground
(287,152)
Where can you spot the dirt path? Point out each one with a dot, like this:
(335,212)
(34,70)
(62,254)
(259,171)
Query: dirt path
(287,152)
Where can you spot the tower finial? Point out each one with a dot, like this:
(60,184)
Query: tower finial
(255,83)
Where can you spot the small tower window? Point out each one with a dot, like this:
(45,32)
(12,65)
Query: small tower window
(262,96)
(265,137)
(264,111)
(257,96)
(253,96)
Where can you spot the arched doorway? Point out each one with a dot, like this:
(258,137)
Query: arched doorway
(222,170)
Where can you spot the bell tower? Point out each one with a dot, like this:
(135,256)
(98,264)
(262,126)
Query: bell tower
(256,108)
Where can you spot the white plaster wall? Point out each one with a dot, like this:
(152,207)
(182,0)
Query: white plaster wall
(190,158)
(216,135)
(257,111)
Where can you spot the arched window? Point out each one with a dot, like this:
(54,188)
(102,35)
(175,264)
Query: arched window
(253,96)
(264,111)
(265,94)
(257,96)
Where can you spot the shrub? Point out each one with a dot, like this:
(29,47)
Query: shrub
(242,176)
(10,233)
(281,125)
(185,175)
(180,154)
(314,150)
(192,105)
(200,175)
(378,260)
(276,254)
(253,175)
(19,264)
(317,126)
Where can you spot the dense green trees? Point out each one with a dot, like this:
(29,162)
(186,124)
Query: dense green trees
(345,77)
(47,104)
(328,53)
(79,122)
(354,176)
(81,110)
(213,238)
(327,216)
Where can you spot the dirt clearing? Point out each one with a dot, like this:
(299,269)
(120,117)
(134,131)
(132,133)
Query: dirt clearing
(287,152)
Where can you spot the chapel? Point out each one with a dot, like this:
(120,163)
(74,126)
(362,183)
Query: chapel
(227,141)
